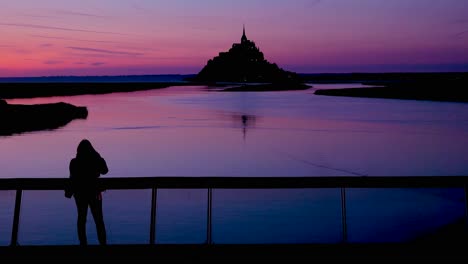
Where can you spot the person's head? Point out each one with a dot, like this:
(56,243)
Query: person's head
(85,149)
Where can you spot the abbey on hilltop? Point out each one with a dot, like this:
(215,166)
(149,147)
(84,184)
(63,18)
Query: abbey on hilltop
(244,62)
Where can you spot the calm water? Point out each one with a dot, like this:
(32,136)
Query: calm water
(190,131)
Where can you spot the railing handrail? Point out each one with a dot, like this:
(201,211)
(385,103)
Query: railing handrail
(243,182)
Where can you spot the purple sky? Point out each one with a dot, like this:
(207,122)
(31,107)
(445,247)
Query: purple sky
(114,37)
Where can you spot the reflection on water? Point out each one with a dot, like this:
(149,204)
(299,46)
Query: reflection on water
(189,131)
(7,200)
(245,122)
(240,216)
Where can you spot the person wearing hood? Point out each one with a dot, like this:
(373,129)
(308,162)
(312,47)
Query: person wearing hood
(85,169)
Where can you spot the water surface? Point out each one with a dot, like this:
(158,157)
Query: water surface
(191,131)
(188,131)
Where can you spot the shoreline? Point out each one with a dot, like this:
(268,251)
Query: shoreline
(403,93)
(51,89)
(444,87)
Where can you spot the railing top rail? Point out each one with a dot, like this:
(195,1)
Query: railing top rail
(243,182)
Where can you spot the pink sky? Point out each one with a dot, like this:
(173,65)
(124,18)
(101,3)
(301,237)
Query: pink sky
(124,37)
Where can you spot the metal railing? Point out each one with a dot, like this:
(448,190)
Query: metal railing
(210,183)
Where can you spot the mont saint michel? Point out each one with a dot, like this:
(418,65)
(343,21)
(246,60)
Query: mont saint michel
(244,62)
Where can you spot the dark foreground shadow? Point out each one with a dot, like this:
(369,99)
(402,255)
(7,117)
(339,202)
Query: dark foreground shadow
(372,253)
(447,244)
(16,119)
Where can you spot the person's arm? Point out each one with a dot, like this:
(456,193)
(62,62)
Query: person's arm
(72,169)
(104,169)
(69,185)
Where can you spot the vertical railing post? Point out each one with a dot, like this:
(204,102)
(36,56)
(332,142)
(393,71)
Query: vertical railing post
(208,227)
(343,215)
(16,218)
(466,205)
(154,193)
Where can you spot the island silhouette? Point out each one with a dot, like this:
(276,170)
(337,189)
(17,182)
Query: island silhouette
(245,63)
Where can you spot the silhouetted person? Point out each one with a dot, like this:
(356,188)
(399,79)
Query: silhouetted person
(85,169)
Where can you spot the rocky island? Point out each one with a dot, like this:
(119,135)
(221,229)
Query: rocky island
(245,63)
(15,119)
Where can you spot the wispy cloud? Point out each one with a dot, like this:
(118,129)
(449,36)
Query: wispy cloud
(58,28)
(461,34)
(313,2)
(96,64)
(144,9)
(460,21)
(106,51)
(23,51)
(61,13)
(45,45)
(73,13)
(6,46)
(52,62)
(79,63)
(94,55)
(139,7)
(37,16)
(74,39)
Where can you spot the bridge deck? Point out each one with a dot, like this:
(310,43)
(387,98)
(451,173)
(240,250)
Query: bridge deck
(450,243)
(237,253)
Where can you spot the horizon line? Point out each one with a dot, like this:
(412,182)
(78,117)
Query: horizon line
(186,74)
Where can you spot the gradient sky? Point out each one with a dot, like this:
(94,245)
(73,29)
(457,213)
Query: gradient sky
(125,37)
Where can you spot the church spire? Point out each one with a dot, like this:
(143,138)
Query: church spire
(244,37)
